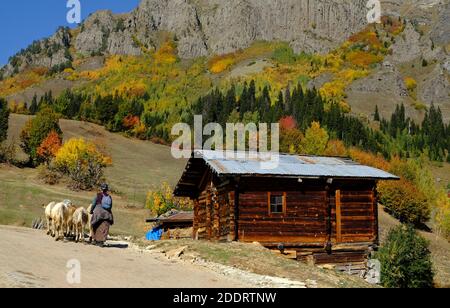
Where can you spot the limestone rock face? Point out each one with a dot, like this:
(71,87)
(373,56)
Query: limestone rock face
(407,46)
(441,30)
(217,27)
(436,88)
(94,33)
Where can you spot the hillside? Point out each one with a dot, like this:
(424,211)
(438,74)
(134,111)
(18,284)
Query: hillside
(217,43)
(138,166)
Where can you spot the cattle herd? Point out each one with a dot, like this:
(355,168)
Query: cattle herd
(66,220)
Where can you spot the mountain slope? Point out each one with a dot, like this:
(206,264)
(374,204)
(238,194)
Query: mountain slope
(204,28)
(137,165)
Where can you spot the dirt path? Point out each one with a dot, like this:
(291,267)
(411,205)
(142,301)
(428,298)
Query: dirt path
(28,258)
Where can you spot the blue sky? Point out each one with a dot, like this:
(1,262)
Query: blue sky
(22,21)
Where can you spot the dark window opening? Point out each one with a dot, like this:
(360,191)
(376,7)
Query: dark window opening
(276,204)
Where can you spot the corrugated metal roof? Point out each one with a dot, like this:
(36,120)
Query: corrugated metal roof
(178,217)
(248,164)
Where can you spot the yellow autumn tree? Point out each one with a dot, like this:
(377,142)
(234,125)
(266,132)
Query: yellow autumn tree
(83,162)
(218,64)
(411,83)
(315,141)
(442,215)
(166,54)
(336,148)
(162,200)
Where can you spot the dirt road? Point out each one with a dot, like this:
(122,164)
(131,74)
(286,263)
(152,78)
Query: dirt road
(28,258)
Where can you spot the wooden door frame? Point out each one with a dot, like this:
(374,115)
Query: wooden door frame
(338,202)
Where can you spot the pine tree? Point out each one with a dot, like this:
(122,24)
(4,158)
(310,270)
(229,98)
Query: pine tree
(377,114)
(4,117)
(252,96)
(34,105)
(244,101)
(288,108)
(265,104)
(229,105)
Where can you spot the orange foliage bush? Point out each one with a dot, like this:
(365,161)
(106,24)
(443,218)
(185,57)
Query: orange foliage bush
(288,123)
(49,146)
(130,122)
(405,201)
(336,148)
(369,159)
(363,59)
(367,37)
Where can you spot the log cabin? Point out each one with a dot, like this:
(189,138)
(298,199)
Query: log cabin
(323,208)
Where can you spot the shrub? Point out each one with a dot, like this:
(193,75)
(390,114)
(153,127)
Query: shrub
(405,260)
(8,153)
(405,201)
(336,148)
(220,64)
(290,139)
(49,147)
(285,55)
(82,162)
(442,215)
(36,131)
(315,141)
(363,59)
(411,83)
(288,123)
(48,175)
(166,54)
(369,159)
(162,200)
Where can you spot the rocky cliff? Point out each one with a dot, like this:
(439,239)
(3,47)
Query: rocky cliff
(205,27)
(210,27)
(216,27)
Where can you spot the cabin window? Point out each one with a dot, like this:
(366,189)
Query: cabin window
(277,203)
